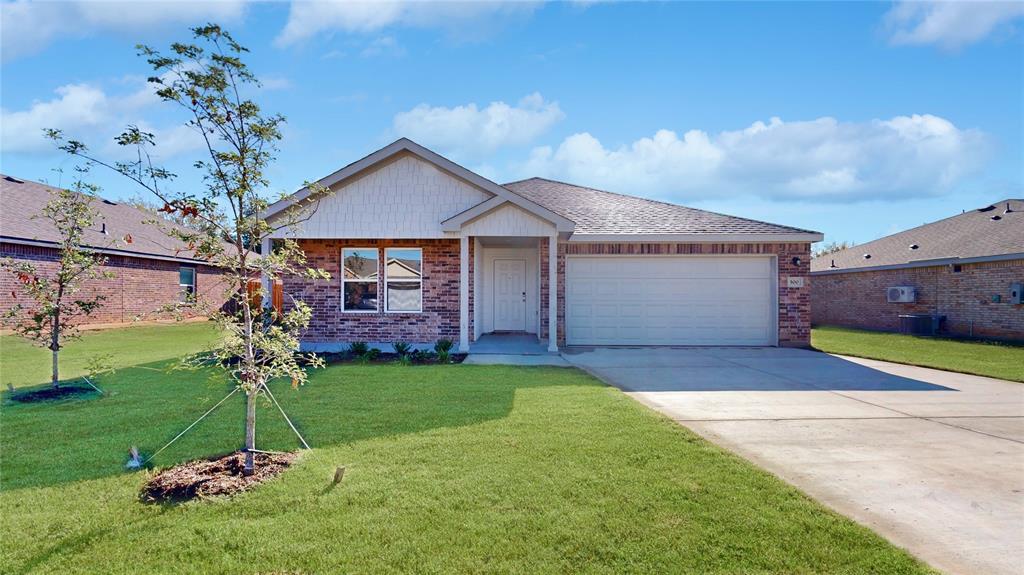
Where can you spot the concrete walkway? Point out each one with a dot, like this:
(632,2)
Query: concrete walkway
(932,460)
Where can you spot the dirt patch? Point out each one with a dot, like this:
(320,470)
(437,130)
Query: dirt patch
(211,477)
(52,394)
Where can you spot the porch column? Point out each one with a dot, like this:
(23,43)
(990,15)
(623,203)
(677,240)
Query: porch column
(266,288)
(553,293)
(464,294)
(478,267)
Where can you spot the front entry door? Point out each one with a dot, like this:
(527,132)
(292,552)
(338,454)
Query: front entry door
(509,295)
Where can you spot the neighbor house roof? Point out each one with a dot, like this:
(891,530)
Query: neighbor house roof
(605,215)
(21,206)
(991,232)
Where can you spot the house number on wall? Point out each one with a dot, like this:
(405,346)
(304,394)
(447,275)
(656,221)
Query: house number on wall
(795,282)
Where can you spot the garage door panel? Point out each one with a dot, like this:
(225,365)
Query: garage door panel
(657,300)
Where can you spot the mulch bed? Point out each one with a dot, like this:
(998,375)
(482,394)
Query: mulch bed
(52,394)
(345,357)
(211,477)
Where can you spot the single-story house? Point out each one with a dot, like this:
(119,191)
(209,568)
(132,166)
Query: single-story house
(967,269)
(151,270)
(420,248)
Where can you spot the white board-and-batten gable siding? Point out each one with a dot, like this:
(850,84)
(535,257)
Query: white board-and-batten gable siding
(508,220)
(407,198)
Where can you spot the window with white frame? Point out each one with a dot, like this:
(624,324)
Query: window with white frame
(186,284)
(403,281)
(359,279)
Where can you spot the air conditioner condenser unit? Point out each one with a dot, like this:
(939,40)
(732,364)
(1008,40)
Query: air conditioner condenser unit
(901,294)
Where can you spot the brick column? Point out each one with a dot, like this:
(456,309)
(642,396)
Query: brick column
(464,294)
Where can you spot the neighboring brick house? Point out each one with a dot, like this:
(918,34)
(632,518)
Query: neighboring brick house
(420,248)
(150,269)
(964,268)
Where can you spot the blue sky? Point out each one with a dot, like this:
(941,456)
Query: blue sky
(854,119)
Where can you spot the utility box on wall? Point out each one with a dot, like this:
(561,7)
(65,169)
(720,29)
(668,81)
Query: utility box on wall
(900,294)
(1017,293)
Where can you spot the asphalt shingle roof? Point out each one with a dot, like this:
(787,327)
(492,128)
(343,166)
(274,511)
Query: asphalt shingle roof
(600,212)
(987,231)
(22,200)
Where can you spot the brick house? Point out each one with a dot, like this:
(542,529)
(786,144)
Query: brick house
(150,269)
(420,248)
(965,268)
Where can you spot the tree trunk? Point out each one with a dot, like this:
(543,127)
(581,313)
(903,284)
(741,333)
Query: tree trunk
(250,433)
(56,371)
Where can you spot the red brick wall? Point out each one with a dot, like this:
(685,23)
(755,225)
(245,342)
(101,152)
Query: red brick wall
(139,288)
(440,315)
(965,298)
(794,303)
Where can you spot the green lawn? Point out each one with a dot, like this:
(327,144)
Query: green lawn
(25,364)
(1000,360)
(450,469)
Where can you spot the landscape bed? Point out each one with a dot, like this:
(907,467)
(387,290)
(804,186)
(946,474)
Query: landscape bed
(450,468)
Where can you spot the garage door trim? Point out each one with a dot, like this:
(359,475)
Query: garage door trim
(773,286)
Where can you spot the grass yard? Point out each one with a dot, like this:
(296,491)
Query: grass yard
(26,365)
(450,469)
(999,360)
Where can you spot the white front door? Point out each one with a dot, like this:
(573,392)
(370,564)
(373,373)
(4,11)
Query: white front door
(509,295)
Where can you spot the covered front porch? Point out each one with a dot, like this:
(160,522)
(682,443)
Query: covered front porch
(508,294)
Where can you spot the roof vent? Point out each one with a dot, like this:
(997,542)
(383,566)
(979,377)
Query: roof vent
(867,256)
(986,209)
(103,228)
(914,246)
(996,218)
(109,203)
(13,179)
(833,264)
(1007,210)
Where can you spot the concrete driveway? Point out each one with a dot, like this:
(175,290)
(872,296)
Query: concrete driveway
(932,460)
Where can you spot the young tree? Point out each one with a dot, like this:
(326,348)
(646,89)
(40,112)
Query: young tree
(49,320)
(162,213)
(209,81)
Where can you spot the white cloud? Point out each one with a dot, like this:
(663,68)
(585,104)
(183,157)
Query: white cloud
(950,25)
(30,26)
(822,159)
(462,19)
(469,131)
(87,112)
(271,83)
(385,45)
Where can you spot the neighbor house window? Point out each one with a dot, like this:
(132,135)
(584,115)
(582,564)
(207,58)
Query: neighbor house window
(403,280)
(186,284)
(359,279)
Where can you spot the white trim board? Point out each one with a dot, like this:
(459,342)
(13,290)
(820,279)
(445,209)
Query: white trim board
(920,264)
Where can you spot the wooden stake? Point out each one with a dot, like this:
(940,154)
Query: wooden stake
(338,474)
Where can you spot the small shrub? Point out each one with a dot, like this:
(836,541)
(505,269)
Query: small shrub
(420,356)
(404,359)
(358,348)
(373,353)
(401,348)
(443,349)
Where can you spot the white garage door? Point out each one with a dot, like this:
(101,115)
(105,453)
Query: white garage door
(669,300)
